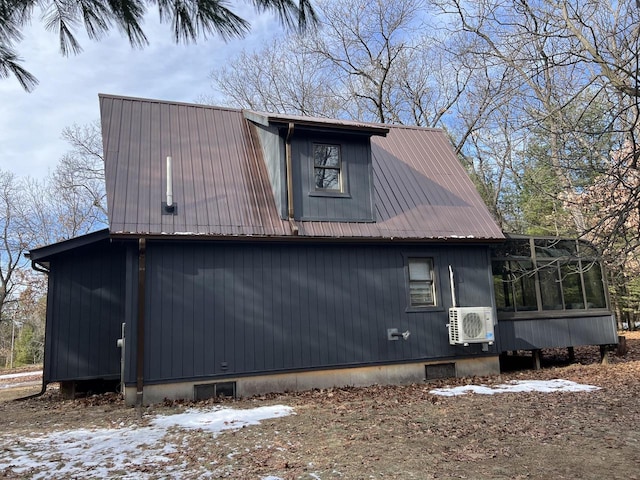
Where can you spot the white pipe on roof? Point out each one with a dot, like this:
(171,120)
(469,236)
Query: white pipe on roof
(169,183)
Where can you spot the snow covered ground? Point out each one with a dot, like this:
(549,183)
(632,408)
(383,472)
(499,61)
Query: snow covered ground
(109,452)
(9,376)
(14,380)
(544,386)
(125,451)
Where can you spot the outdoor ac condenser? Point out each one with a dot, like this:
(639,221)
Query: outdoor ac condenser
(470,325)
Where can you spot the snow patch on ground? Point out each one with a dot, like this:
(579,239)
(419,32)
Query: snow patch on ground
(14,385)
(131,452)
(121,452)
(517,386)
(8,376)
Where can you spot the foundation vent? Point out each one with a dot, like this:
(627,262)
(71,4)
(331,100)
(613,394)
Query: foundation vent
(206,391)
(440,370)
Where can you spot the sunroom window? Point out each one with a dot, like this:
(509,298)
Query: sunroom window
(547,275)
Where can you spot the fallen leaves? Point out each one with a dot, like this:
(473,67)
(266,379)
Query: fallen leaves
(401,432)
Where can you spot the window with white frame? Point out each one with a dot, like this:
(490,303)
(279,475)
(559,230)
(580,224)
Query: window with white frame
(421,284)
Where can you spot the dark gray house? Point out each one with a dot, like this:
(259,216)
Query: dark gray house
(249,252)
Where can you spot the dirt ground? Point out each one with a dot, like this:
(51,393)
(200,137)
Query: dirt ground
(402,432)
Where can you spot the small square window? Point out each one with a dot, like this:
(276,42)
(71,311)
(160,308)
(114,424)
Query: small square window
(421,285)
(327,167)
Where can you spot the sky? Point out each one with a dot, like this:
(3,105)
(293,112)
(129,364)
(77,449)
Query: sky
(31,123)
(106,452)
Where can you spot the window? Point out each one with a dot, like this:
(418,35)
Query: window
(421,285)
(327,167)
(547,275)
(550,289)
(594,288)
(514,285)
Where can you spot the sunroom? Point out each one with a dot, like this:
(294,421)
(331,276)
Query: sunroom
(550,293)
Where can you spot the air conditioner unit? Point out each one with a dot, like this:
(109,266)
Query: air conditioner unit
(470,325)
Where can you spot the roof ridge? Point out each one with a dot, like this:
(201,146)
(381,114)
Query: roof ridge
(412,127)
(168,102)
(270,114)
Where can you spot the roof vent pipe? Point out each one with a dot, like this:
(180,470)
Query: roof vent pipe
(169,184)
(169,207)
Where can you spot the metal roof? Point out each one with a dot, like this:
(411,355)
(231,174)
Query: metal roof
(42,255)
(221,185)
(317,122)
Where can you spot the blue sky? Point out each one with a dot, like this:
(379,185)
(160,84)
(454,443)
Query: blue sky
(31,123)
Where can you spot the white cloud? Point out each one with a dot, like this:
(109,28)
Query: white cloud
(31,123)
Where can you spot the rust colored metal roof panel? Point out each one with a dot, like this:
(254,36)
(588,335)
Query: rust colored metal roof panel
(422,190)
(221,186)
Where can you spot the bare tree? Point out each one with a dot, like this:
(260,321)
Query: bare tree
(80,176)
(367,61)
(71,201)
(274,79)
(22,339)
(562,59)
(572,103)
(364,42)
(15,237)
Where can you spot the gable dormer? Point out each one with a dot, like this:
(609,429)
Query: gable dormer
(319,170)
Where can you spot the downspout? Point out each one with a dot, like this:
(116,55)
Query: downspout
(289,163)
(142,246)
(43,388)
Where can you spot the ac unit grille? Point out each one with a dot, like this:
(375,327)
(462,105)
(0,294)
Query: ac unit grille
(470,325)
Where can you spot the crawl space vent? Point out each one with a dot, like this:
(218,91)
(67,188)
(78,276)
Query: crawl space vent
(206,391)
(440,370)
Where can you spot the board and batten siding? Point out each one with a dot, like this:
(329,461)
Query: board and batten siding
(85,310)
(215,309)
(537,333)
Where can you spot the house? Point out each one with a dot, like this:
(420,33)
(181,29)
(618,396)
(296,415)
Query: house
(248,252)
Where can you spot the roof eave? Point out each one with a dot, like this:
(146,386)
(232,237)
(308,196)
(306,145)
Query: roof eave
(306,238)
(40,254)
(360,128)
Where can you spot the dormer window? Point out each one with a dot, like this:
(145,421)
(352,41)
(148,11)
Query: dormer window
(327,167)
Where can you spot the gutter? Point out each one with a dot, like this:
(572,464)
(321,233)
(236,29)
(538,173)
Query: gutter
(37,267)
(195,237)
(290,213)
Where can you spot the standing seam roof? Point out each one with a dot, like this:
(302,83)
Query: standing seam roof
(222,188)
